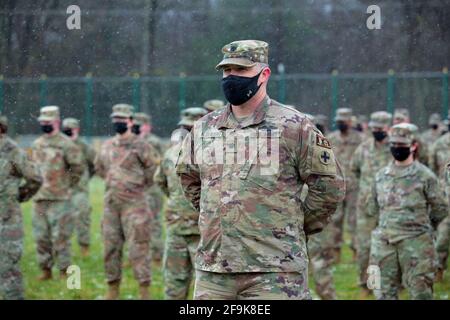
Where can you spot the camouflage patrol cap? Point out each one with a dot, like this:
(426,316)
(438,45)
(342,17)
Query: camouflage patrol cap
(3,120)
(244,53)
(401,114)
(321,119)
(190,115)
(71,123)
(343,114)
(49,113)
(141,118)
(122,110)
(379,119)
(362,118)
(403,133)
(435,118)
(213,105)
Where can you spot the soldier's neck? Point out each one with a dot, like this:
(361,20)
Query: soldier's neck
(250,106)
(406,162)
(125,136)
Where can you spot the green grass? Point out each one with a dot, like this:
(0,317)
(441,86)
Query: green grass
(93,285)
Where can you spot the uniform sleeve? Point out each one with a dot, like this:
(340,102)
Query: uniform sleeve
(189,172)
(355,162)
(90,158)
(432,160)
(75,163)
(373,208)
(150,160)
(319,169)
(436,199)
(160,179)
(423,153)
(99,163)
(30,173)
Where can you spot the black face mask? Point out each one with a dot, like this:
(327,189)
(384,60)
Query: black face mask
(239,90)
(136,129)
(47,128)
(68,132)
(359,128)
(320,127)
(379,135)
(120,127)
(434,126)
(400,153)
(343,127)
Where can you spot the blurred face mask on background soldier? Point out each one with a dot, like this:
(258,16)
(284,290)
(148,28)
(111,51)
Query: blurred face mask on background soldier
(120,127)
(136,129)
(238,90)
(434,126)
(47,128)
(400,153)
(320,127)
(68,132)
(379,135)
(342,126)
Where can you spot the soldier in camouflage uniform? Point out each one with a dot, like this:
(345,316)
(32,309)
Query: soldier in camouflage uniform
(127,163)
(143,127)
(19,181)
(435,130)
(80,194)
(439,157)
(408,205)
(345,140)
(213,105)
(61,164)
(370,156)
(252,223)
(181,217)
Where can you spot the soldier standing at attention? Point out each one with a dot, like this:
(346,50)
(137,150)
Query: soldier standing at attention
(252,223)
(182,235)
(371,155)
(19,181)
(408,205)
(435,131)
(127,163)
(345,140)
(80,194)
(61,164)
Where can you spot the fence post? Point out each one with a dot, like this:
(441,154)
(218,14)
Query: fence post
(137,92)
(88,105)
(182,92)
(43,90)
(334,97)
(390,91)
(1,94)
(445,93)
(282,83)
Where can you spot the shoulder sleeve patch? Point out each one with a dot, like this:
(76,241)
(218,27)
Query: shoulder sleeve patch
(323,160)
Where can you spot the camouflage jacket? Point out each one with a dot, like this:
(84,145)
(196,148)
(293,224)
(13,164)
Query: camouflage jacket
(19,178)
(248,193)
(88,160)
(345,146)
(430,136)
(156,143)
(127,164)
(367,160)
(440,155)
(181,216)
(61,164)
(407,201)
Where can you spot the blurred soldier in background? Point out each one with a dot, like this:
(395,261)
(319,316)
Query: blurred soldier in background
(127,163)
(213,105)
(321,122)
(345,140)
(182,234)
(370,156)
(408,205)
(142,126)
(434,131)
(401,115)
(81,206)
(19,181)
(61,164)
(363,126)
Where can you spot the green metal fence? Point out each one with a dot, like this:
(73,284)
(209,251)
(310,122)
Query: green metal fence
(90,98)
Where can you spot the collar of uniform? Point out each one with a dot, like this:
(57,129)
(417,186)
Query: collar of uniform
(393,170)
(124,140)
(227,120)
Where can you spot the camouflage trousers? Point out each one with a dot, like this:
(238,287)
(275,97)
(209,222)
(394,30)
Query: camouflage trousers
(321,260)
(82,215)
(127,221)
(11,248)
(52,227)
(443,243)
(346,211)
(155,198)
(251,286)
(410,261)
(179,253)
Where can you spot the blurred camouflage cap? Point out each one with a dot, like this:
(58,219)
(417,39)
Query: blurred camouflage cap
(362,118)
(321,119)
(401,114)
(403,133)
(190,115)
(244,53)
(3,120)
(213,105)
(343,114)
(122,110)
(141,118)
(435,118)
(49,113)
(71,123)
(379,119)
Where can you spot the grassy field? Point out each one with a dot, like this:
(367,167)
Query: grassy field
(93,283)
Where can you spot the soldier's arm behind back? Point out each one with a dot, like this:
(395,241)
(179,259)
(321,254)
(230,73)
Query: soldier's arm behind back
(74,159)
(436,199)
(30,173)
